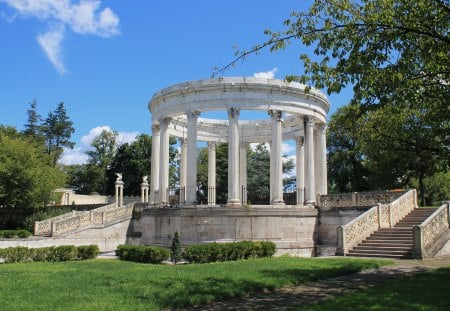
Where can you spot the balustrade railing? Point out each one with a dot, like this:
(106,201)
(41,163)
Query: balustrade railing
(357,199)
(427,235)
(78,220)
(379,216)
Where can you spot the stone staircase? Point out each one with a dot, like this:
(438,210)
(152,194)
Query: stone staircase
(396,242)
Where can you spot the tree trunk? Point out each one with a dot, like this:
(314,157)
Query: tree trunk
(421,190)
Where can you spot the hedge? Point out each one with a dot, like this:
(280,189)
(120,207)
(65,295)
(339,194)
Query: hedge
(142,253)
(50,254)
(210,252)
(9,234)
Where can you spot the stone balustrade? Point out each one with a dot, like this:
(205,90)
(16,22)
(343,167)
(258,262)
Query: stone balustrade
(73,221)
(379,216)
(427,235)
(356,199)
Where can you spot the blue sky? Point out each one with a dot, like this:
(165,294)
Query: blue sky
(105,59)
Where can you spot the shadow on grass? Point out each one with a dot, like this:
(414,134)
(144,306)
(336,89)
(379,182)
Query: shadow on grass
(422,291)
(180,293)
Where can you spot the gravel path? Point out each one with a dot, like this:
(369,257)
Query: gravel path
(296,296)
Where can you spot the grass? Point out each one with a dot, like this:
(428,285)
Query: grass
(424,291)
(121,285)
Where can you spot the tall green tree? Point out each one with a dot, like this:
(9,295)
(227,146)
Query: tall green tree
(347,171)
(26,179)
(133,160)
(104,148)
(57,129)
(33,126)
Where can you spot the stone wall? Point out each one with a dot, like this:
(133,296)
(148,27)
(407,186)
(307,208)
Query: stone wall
(106,238)
(293,230)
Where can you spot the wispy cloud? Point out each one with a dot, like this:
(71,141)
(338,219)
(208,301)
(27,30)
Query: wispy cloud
(266,75)
(50,42)
(78,155)
(82,17)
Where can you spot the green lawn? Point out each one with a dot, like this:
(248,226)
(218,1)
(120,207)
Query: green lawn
(120,285)
(428,291)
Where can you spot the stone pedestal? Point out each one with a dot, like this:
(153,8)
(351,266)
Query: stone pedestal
(144,192)
(118,193)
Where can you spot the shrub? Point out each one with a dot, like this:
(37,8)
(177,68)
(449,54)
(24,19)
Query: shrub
(16,254)
(142,253)
(23,234)
(88,251)
(63,253)
(8,234)
(210,252)
(42,253)
(175,249)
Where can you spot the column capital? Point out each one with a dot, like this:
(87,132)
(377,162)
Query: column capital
(193,115)
(300,140)
(276,115)
(211,144)
(243,144)
(321,127)
(155,128)
(233,113)
(309,120)
(165,120)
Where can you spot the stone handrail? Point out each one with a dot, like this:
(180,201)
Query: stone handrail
(44,227)
(95,218)
(82,219)
(356,199)
(427,234)
(379,216)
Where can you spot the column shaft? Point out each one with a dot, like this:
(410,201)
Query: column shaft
(233,157)
(321,171)
(276,170)
(211,173)
(154,178)
(191,174)
(183,170)
(164,161)
(300,169)
(243,171)
(309,161)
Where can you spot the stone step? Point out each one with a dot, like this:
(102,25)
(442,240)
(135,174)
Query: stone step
(381,243)
(390,234)
(381,249)
(382,252)
(394,256)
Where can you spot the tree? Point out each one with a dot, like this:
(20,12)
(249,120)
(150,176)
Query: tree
(57,129)
(346,161)
(104,149)
(175,248)
(395,55)
(85,178)
(33,127)
(133,160)
(26,179)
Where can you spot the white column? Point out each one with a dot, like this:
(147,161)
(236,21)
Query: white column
(211,173)
(154,178)
(164,161)
(321,148)
(191,174)
(243,171)
(233,157)
(300,169)
(276,171)
(183,169)
(310,195)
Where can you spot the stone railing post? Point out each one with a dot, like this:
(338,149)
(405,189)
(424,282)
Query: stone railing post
(341,248)
(418,242)
(354,198)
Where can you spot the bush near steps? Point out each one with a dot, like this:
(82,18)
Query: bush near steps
(49,254)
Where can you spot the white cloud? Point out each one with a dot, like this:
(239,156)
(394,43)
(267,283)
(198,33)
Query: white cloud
(78,154)
(287,148)
(84,17)
(50,42)
(266,75)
